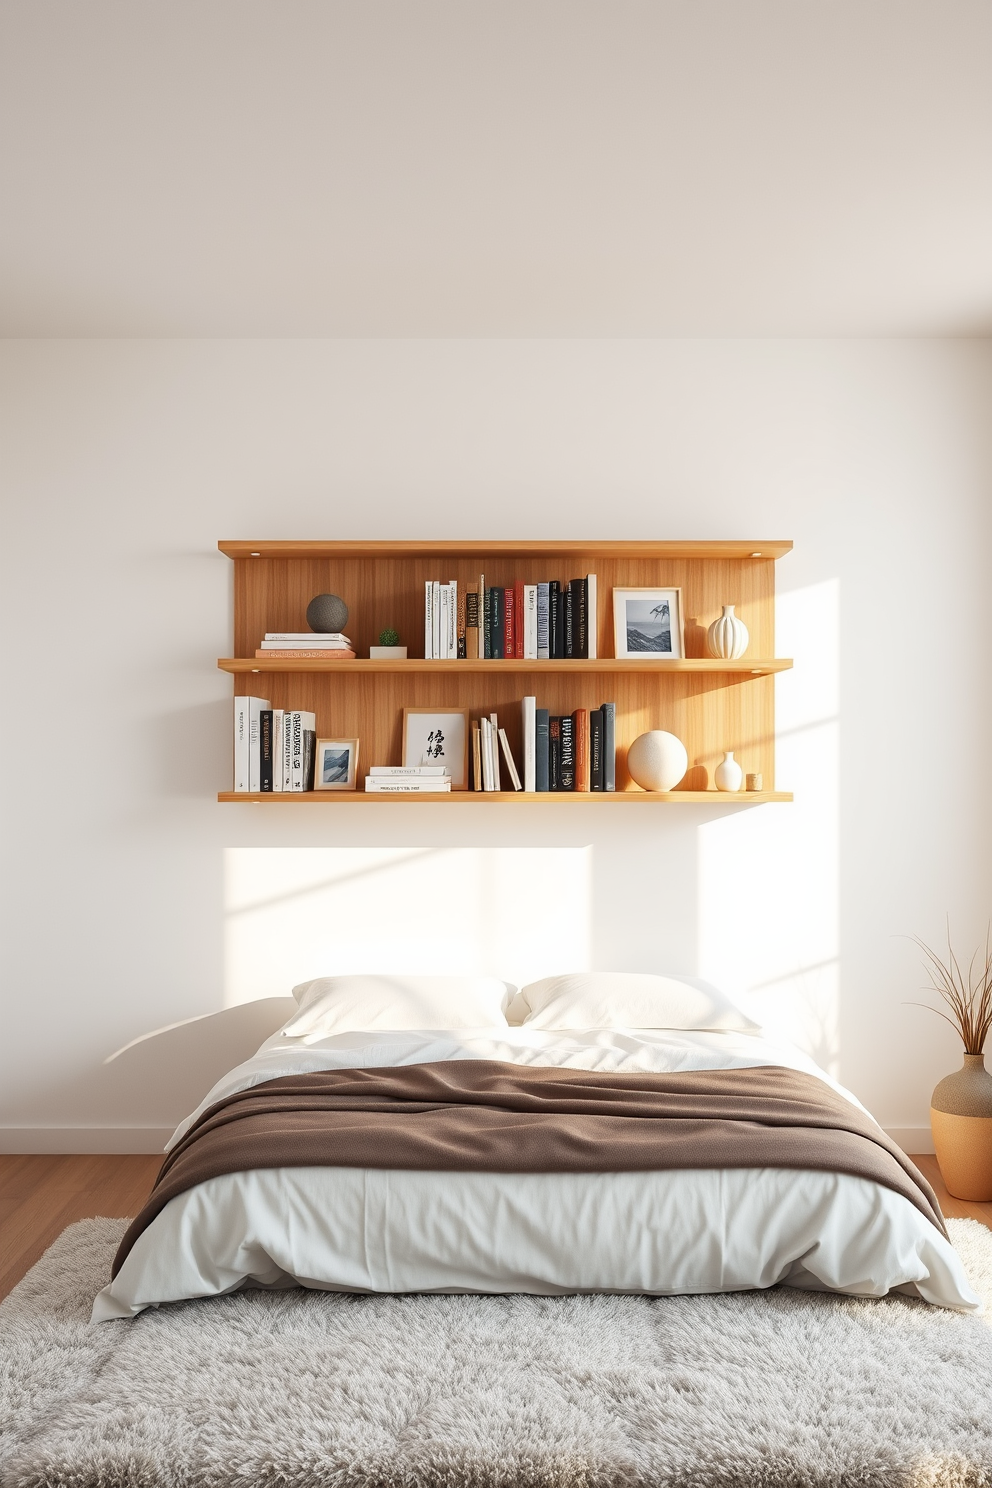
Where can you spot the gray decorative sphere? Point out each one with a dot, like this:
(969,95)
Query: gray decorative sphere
(326,612)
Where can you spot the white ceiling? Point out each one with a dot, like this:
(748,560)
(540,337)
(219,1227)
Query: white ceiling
(516,167)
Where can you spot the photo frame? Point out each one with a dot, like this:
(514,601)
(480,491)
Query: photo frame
(336,765)
(648,624)
(437,736)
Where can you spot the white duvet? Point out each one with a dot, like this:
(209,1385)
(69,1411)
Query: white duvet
(669,1232)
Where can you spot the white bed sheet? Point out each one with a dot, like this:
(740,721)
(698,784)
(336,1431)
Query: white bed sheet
(666,1232)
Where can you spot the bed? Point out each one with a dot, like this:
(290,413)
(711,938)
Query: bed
(591,1133)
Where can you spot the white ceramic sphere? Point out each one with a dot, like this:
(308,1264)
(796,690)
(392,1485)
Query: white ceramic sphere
(657,761)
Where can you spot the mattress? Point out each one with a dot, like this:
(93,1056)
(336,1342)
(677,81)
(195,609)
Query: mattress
(660,1232)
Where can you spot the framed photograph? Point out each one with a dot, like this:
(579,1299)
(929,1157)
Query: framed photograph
(648,623)
(336,767)
(437,736)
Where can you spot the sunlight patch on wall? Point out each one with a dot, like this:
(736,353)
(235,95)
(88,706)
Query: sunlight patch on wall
(295,913)
(769,878)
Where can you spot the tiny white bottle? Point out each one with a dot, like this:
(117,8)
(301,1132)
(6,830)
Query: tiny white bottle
(728,775)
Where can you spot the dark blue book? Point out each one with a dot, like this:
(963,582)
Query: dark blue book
(609,746)
(496,618)
(541,748)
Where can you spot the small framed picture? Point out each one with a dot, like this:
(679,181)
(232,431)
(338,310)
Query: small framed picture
(437,736)
(337,765)
(648,623)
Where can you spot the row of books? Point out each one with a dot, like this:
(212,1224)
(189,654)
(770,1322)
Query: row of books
(533,622)
(274,748)
(561,752)
(298,645)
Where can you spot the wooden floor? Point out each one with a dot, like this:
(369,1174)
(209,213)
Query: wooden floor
(39,1196)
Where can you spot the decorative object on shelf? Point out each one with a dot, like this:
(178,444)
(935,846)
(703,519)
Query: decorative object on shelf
(657,761)
(436,736)
(728,774)
(327,612)
(961,1104)
(727,637)
(648,622)
(389,648)
(754,782)
(337,765)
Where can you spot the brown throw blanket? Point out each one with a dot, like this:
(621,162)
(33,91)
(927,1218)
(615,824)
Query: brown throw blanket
(483,1116)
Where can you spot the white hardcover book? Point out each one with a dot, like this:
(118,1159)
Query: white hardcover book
(436,619)
(528,721)
(510,761)
(591,615)
(409,770)
(494,750)
(278,734)
(296,638)
(376,785)
(453,618)
(444,652)
(314,643)
(428,620)
(530,622)
(543,649)
(241,744)
(256,706)
(485,729)
(286,757)
(301,722)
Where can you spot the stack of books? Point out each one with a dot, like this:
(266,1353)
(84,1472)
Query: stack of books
(305,646)
(552,621)
(561,752)
(274,749)
(407,780)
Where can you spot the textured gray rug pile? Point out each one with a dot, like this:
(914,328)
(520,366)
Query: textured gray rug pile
(316,1390)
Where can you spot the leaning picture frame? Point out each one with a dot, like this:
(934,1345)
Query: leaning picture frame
(648,624)
(437,736)
(336,765)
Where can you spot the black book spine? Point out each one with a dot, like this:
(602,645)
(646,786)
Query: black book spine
(554,754)
(309,758)
(496,603)
(560,606)
(265,748)
(609,746)
(541,742)
(596,749)
(580,617)
(554,621)
(568,628)
(567,771)
(487,645)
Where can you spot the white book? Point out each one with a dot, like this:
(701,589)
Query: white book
(241,744)
(428,620)
(414,770)
(436,621)
(530,622)
(375,785)
(300,721)
(313,643)
(485,729)
(591,615)
(543,649)
(528,722)
(494,750)
(256,706)
(308,637)
(286,757)
(278,737)
(444,653)
(510,762)
(453,618)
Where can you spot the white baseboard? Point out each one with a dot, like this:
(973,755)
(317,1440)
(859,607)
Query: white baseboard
(911,1139)
(77,1139)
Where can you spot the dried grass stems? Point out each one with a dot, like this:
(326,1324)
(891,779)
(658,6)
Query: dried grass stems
(969,999)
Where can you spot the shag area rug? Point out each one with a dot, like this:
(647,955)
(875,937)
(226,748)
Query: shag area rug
(300,1389)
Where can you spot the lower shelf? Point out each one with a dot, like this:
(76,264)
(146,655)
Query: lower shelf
(480,798)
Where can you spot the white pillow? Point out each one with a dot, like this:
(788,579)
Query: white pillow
(626,999)
(350,1004)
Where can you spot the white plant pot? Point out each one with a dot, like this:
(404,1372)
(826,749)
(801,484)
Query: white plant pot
(727,637)
(387,653)
(728,775)
(657,761)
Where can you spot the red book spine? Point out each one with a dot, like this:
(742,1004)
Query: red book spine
(518,610)
(509,623)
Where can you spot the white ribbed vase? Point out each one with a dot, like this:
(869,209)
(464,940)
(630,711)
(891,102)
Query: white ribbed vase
(727,637)
(728,774)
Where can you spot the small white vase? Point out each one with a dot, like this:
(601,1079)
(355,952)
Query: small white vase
(728,774)
(657,761)
(727,637)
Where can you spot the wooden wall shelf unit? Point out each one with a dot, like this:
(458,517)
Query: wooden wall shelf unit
(711,705)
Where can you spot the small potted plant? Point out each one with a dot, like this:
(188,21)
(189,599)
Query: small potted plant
(389,648)
(961,1104)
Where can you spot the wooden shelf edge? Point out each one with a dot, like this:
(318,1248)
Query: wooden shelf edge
(472,548)
(700,665)
(674,798)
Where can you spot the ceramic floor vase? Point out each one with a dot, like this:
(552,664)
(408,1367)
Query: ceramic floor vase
(961,1122)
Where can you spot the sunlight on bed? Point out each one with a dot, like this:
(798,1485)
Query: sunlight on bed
(295,913)
(768,921)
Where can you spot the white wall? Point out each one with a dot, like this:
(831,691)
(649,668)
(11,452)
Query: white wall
(122,463)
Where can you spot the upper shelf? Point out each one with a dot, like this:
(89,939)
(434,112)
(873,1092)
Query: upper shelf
(746,666)
(576,548)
